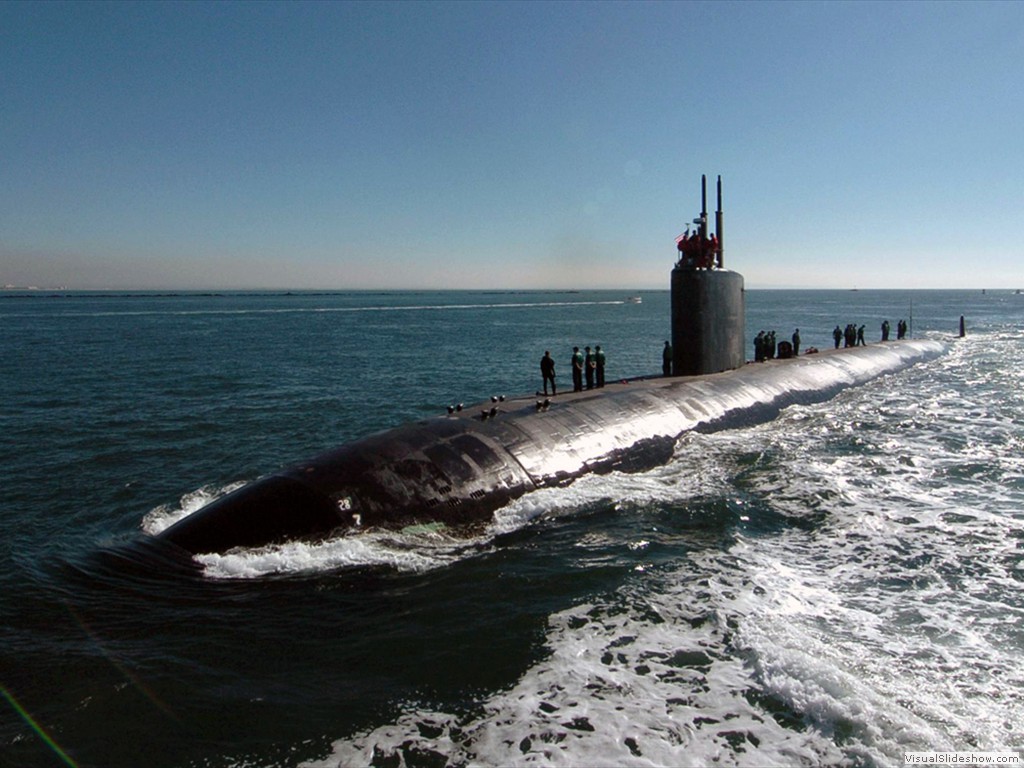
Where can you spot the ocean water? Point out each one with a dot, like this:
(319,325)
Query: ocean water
(834,587)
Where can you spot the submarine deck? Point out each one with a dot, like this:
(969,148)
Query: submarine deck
(656,382)
(634,423)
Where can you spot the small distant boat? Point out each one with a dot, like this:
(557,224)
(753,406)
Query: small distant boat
(639,300)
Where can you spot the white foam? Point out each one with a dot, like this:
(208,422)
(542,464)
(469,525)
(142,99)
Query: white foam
(661,485)
(164,516)
(415,551)
(627,681)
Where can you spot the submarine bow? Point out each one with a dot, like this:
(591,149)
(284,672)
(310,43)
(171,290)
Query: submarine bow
(460,468)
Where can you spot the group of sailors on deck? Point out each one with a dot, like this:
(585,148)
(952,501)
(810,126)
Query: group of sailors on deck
(699,252)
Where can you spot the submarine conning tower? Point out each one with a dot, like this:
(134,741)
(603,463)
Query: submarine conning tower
(707,300)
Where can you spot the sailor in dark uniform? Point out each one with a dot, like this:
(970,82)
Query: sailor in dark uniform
(547,372)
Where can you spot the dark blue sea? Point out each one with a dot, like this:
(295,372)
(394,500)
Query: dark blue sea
(834,587)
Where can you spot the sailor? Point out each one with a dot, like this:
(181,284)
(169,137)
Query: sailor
(589,364)
(577,370)
(666,360)
(837,335)
(759,342)
(547,372)
(796,342)
(681,244)
(599,365)
(885,330)
(693,250)
(860,338)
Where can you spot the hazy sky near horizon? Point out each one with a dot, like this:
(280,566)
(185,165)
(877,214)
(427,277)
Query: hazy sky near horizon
(509,145)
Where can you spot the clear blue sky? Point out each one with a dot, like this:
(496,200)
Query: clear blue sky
(509,145)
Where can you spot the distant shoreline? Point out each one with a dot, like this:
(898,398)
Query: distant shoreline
(18,291)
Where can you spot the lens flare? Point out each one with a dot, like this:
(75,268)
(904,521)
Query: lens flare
(37,728)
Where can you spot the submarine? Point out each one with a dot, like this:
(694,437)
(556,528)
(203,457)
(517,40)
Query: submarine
(459,467)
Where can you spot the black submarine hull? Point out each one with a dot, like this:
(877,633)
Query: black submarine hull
(458,469)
